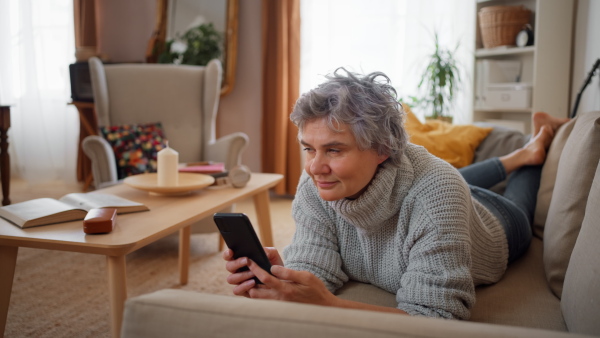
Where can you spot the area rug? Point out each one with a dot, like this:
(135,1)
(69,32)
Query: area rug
(64,294)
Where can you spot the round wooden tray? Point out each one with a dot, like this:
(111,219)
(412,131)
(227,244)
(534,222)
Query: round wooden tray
(187,183)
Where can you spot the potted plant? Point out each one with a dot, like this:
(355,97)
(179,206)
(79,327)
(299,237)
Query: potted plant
(197,46)
(439,82)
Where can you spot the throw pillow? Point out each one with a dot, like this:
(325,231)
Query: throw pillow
(579,304)
(135,147)
(548,178)
(576,170)
(455,144)
(500,141)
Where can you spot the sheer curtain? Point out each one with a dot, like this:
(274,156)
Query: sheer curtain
(36,48)
(392,36)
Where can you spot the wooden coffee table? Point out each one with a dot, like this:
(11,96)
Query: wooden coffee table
(167,215)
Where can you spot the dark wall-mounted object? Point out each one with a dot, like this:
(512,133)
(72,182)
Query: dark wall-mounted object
(81,84)
(586,82)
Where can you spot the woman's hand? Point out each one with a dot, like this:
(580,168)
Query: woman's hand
(290,285)
(286,284)
(244,279)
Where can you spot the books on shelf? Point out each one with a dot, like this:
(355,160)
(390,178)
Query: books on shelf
(71,207)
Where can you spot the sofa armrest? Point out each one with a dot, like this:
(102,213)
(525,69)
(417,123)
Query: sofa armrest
(227,149)
(180,313)
(104,167)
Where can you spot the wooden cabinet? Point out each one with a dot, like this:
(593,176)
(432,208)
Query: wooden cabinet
(88,125)
(545,66)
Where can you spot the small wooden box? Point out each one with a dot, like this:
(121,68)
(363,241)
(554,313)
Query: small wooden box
(100,221)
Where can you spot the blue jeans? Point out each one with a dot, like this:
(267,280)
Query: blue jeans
(515,208)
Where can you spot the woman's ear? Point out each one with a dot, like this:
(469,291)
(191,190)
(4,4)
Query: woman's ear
(381,158)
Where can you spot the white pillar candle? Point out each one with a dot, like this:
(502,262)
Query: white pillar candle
(168,167)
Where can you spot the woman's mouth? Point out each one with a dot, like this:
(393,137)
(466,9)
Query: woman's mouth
(325,184)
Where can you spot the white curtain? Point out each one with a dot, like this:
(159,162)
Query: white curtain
(36,48)
(392,36)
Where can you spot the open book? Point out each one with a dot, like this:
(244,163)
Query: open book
(71,207)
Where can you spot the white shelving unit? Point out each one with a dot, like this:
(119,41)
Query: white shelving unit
(546,65)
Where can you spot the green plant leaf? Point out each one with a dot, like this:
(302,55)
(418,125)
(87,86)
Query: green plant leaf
(439,79)
(204,43)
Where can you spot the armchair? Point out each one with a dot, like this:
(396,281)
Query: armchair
(183,98)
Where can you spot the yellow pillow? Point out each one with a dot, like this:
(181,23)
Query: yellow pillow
(455,144)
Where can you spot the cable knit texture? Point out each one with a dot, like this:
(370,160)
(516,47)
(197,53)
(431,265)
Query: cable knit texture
(415,232)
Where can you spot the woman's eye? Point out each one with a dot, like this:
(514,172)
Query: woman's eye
(333,151)
(307,149)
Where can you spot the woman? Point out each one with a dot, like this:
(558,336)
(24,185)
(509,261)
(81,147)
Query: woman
(373,208)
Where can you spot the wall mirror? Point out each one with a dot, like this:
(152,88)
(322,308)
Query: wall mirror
(177,16)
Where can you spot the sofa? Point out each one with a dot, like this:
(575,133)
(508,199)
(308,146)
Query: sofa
(551,291)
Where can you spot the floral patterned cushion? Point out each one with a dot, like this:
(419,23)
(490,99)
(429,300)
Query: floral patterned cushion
(135,146)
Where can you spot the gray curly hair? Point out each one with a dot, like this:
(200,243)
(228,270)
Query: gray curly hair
(366,103)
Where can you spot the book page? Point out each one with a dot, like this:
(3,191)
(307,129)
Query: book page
(89,201)
(23,212)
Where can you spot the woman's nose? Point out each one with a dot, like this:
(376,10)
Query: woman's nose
(319,165)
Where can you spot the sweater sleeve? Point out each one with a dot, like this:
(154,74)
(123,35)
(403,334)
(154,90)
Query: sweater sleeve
(314,247)
(438,281)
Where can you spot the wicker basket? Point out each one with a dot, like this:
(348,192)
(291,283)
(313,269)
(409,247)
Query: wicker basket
(501,24)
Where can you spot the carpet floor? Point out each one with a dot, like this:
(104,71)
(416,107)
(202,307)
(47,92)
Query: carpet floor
(65,294)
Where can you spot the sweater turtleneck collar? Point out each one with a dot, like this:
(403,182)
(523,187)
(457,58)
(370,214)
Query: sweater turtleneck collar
(380,201)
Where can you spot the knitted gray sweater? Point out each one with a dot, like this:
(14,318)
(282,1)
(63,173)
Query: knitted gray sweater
(415,232)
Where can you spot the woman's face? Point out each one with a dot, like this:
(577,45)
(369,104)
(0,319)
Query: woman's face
(339,169)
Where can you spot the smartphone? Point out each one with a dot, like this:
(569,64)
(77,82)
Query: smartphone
(240,237)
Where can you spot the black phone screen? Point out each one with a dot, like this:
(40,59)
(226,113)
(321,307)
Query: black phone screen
(240,237)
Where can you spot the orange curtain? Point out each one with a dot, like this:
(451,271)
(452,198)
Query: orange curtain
(85,29)
(281,82)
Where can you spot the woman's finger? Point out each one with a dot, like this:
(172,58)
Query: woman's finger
(240,277)
(262,291)
(242,289)
(228,255)
(273,256)
(234,265)
(300,277)
(265,277)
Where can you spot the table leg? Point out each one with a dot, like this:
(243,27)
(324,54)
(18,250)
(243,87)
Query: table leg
(8,262)
(263,214)
(117,284)
(184,254)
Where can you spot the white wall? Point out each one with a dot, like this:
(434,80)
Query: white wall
(124,29)
(241,109)
(586,52)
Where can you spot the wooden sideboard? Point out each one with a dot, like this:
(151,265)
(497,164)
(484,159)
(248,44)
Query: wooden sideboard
(88,125)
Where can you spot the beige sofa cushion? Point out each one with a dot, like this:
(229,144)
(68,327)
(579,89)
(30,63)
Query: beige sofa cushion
(549,177)
(575,174)
(178,313)
(522,297)
(366,293)
(581,293)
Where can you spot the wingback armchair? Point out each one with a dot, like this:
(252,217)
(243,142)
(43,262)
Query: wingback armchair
(184,99)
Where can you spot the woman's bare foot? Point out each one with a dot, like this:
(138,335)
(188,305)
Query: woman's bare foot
(533,153)
(540,119)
